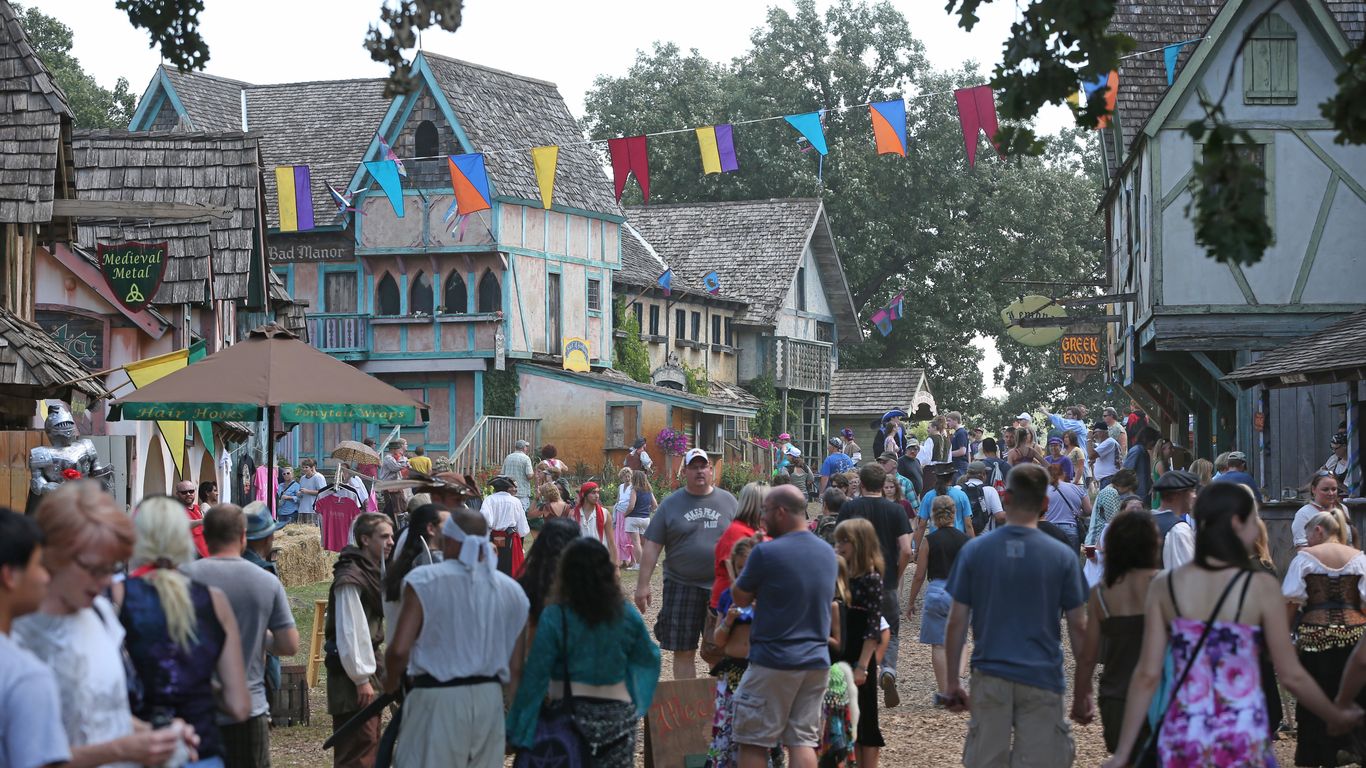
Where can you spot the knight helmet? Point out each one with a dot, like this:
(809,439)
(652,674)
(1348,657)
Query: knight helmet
(60,424)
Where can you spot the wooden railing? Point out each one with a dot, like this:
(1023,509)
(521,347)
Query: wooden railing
(338,333)
(490,440)
(800,365)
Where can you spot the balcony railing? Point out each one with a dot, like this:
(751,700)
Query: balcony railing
(490,440)
(800,365)
(335,333)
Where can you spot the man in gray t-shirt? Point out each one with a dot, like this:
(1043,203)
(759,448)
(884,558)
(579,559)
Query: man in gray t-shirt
(311,483)
(686,526)
(258,601)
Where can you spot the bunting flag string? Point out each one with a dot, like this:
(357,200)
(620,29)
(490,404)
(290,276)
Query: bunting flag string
(1169,56)
(293,185)
(809,126)
(387,152)
(544,159)
(629,157)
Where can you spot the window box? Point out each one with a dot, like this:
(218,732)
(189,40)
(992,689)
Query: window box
(724,349)
(401,320)
(690,344)
(475,317)
(655,338)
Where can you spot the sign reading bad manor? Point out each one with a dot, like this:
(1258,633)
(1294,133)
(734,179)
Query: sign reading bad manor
(82,337)
(1080,351)
(312,247)
(133,271)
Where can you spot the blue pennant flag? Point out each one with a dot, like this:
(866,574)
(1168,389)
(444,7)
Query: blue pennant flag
(1099,84)
(386,174)
(809,125)
(666,282)
(1169,57)
(712,282)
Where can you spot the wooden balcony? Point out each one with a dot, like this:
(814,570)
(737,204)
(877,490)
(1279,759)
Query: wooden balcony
(799,365)
(338,334)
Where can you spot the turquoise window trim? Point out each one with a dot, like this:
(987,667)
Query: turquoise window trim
(478,401)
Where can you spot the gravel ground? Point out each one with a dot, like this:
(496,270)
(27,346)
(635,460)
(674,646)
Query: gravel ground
(917,733)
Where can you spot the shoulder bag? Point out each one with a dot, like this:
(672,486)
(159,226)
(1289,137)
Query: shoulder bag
(558,741)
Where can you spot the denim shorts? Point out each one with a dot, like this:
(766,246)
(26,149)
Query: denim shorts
(934,614)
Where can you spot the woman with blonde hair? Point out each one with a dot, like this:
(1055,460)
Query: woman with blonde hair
(643,504)
(856,541)
(625,550)
(76,631)
(180,633)
(1203,469)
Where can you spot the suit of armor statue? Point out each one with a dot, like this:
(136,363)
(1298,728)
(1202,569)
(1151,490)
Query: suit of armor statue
(51,465)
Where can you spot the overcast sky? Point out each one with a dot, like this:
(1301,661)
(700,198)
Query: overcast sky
(271,41)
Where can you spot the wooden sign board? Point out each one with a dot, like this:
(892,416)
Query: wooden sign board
(82,336)
(678,723)
(1080,351)
(311,247)
(133,271)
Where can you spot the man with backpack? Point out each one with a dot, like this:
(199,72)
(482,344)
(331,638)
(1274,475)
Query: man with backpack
(997,467)
(987,511)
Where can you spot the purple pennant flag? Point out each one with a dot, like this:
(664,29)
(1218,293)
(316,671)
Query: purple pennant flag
(725,147)
(303,196)
(897,308)
(883,320)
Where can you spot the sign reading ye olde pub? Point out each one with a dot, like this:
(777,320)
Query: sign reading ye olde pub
(133,271)
(1080,351)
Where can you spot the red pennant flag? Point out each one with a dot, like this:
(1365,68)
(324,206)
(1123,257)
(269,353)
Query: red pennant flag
(976,111)
(629,156)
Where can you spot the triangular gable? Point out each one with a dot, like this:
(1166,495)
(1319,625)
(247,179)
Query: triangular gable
(1184,86)
(836,290)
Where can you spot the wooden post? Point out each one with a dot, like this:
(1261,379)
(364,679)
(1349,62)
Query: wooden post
(315,643)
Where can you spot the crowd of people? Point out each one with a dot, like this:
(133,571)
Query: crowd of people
(153,637)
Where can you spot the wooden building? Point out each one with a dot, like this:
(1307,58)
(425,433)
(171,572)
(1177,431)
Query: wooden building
(859,398)
(777,259)
(1195,319)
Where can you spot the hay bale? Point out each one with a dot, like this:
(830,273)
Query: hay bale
(300,557)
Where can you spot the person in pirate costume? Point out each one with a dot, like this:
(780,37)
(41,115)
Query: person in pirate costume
(459,621)
(507,524)
(353,632)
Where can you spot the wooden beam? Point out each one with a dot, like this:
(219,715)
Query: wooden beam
(1089,301)
(1214,372)
(130,209)
(1065,322)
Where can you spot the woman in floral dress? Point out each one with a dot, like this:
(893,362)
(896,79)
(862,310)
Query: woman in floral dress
(1218,714)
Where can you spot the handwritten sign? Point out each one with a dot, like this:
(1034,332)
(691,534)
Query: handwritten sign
(1080,351)
(678,723)
(133,271)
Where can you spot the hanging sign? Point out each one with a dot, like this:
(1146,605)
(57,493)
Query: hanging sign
(80,335)
(1080,351)
(1033,306)
(133,271)
(576,354)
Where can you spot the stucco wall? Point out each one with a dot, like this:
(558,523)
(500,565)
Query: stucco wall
(720,366)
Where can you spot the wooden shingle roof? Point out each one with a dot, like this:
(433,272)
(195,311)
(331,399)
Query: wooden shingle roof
(1336,353)
(502,111)
(755,246)
(32,111)
(212,103)
(218,169)
(641,268)
(34,366)
(874,390)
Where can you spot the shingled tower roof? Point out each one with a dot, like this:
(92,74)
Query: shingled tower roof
(33,110)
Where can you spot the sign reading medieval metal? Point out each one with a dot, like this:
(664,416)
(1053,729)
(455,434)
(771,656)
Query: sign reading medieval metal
(1080,351)
(311,247)
(133,271)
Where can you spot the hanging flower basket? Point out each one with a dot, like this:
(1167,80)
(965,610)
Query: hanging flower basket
(671,441)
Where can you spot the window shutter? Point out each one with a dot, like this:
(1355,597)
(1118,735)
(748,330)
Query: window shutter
(1270,64)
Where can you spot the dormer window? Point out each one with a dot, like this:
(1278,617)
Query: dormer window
(1270,65)
(426,142)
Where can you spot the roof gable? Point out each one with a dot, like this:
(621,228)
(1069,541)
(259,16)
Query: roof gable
(207,102)
(755,246)
(218,169)
(32,112)
(877,390)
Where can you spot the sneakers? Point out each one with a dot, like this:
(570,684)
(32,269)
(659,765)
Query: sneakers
(890,697)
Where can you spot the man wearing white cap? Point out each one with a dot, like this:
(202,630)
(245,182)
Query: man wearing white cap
(686,526)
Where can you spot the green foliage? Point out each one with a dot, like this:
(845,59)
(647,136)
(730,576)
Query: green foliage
(734,475)
(1228,194)
(405,19)
(500,393)
(696,379)
(173,25)
(924,224)
(93,105)
(1347,107)
(629,354)
(766,422)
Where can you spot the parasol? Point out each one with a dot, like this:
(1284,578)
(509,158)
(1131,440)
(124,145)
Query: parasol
(355,452)
(269,372)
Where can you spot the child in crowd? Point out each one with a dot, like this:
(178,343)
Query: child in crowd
(831,504)
(732,634)
(839,708)
(856,542)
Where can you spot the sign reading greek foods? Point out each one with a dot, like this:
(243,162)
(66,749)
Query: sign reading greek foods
(1080,351)
(133,271)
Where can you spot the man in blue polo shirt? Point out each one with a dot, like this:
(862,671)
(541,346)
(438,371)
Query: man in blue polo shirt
(1014,582)
(836,463)
(1237,473)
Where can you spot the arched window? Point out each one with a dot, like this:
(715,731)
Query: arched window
(490,293)
(426,143)
(456,298)
(420,295)
(386,296)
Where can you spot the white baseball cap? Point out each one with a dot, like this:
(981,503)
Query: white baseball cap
(1025,417)
(695,453)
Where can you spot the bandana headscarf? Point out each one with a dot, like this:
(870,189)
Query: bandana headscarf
(470,545)
(584,490)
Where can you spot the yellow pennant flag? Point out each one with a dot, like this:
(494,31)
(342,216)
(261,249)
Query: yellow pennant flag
(144,372)
(545,158)
(711,154)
